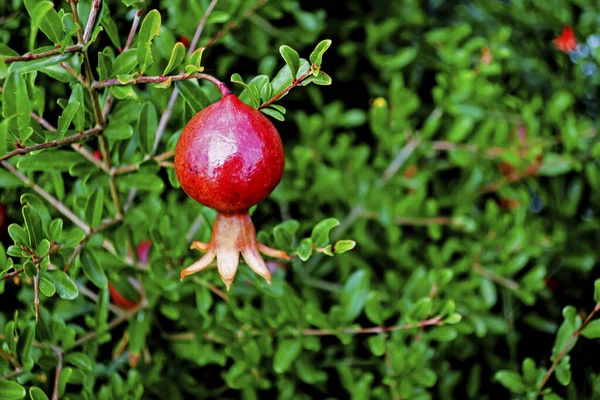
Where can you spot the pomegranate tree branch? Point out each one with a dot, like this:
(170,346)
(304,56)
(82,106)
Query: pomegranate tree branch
(133,30)
(566,349)
(79,137)
(158,79)
(59,355)
(499,279)
(13,274)
(87,33)
(200,27)
(10,359)
(295,82)
(55,203)
(44,54)
(437,320)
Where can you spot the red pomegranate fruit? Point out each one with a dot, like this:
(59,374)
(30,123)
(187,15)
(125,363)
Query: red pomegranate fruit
(229,157)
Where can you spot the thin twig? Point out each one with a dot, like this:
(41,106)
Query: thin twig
(13,274)
(58,351)
(376,329)
(499,279)
(87,33)
(10,359)
(295,82)
(566,349)
(200,27)
(79,137)
(49,198)
(78,147)
(133,30)
(44,54)
(36,294)
(158,79)
(212,288)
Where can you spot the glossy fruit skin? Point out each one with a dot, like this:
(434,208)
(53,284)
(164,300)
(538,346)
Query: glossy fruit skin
(229,156)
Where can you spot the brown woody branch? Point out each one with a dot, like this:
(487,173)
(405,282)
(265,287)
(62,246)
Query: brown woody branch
(79,137)
(158,79)
(44,54)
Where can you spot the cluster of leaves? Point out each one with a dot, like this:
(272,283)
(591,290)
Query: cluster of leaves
(463,162)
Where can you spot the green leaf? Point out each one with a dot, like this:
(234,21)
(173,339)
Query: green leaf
(24,67)
(510,380)
(10,390)
(342,246)
(95,207)
(35,393)
(377,344)
(37,12)
(46,286)
(373,308)
(305,249)
(19,235)
(192,94)
(67,116)
(443,334)
(65,287)
(141,181)
(177,55)
(139,328)
(80,360)
(55,229)
(15,103)
(33,221)
(287,352)
(124,63)
(118,131)
(273,113)
(320,233)
(149,29)
(79,117)
(291,57)
(316,57)
(322,79)
(111,28)
(6,51)
(563,372)
(592,330)
(597,291)
(147,125)
(354,294)
(60,160)
(196,59)
(421,309)
(92,269)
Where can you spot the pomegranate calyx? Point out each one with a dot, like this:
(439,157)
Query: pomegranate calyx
(233,234)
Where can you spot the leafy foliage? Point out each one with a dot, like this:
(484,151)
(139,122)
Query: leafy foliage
(457,147)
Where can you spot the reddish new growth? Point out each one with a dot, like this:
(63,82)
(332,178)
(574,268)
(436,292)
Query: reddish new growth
(566,41)
(229,157)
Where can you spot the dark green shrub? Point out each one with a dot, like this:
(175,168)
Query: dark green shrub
(457,147)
